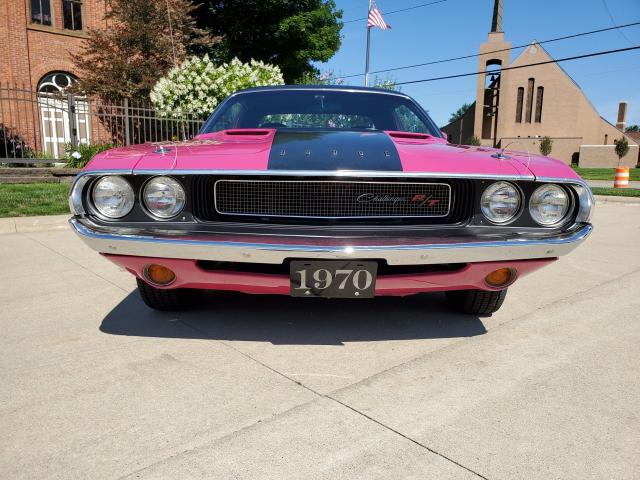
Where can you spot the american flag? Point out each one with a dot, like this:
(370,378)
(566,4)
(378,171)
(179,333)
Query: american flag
(375,18)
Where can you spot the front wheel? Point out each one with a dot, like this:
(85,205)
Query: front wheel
(476,302)
(174,299)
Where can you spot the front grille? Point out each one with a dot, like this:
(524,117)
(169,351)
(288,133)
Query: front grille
(458,193)
(331,199)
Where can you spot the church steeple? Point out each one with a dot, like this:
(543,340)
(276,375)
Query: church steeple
(496,22)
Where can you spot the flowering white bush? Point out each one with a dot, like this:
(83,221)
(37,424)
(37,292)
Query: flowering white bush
(197,86)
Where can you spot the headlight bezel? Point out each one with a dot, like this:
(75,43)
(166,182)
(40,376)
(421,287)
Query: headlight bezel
(149,211)
(519,210)
(570,204)
(92,199)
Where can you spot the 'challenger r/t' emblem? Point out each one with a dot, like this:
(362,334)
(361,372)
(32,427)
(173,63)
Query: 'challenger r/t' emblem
(422,199)
(417,200)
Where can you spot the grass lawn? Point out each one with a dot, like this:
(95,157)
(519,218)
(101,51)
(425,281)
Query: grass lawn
(617,192)
(604,173)
(22,200)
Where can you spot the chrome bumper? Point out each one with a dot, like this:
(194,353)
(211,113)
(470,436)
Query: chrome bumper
(275,250)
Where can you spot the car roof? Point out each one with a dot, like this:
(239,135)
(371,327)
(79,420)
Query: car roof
(343,88)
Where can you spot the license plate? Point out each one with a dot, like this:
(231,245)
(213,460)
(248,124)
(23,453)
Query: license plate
(333,278)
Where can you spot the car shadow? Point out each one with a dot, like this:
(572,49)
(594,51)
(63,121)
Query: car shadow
(284,320)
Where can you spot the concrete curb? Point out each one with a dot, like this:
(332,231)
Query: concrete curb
(60,222)
(33,224)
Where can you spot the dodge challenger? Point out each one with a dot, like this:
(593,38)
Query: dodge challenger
(336,192)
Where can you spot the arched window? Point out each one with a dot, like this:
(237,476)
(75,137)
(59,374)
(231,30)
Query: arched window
(519,104)
(59,122)
(539,104)
(530,86)
(491,98)
(55,82)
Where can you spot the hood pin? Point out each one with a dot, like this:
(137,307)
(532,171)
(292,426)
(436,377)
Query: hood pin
(162,150)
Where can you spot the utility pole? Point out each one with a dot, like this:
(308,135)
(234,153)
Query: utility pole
(366,66)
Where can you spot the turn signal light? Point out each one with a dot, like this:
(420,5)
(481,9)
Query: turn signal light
(500,278)
(159,275)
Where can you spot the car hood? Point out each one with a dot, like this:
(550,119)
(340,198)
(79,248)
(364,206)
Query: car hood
(258,150)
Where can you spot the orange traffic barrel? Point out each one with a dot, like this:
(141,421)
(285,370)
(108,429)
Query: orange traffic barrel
(622,177)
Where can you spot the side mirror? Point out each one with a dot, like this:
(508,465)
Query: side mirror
(445,135)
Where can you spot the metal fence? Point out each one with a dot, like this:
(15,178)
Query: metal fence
(45,127)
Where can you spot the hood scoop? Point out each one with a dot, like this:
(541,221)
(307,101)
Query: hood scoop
(257,132)
(415,138)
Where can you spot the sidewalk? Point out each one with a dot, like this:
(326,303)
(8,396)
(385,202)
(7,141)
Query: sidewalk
(34,224)
(609,183)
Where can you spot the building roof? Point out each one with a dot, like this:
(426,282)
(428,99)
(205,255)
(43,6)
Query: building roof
(633,135)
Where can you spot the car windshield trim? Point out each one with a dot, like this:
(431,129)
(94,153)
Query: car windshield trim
(330,109)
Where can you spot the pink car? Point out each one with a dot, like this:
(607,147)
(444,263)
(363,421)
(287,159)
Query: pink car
(327,192)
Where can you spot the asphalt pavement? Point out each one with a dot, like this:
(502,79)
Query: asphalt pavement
(95,385)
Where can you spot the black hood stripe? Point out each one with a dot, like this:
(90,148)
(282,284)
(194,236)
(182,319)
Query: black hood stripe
(345,150)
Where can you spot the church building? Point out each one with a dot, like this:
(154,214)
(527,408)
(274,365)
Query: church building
(516,107)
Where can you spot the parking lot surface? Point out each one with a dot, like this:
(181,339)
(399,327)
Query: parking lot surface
(96,385)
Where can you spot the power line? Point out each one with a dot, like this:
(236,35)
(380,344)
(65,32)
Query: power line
(613,22)
(398,11)
(445,60)
(566,59)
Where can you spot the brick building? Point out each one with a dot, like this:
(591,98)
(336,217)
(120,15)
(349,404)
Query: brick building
(38,38)
(518,107)
(38,35)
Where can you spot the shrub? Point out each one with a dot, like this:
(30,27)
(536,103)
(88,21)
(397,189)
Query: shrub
(622,148)
(197,86)
(545,146)
(472,140)
(13,145)
(78,157)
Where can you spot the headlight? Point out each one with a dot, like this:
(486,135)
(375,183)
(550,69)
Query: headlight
(500,202)
(549,204)
(163,197)
(113,197)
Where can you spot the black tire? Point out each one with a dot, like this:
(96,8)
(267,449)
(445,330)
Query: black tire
(476,302)
(174,299)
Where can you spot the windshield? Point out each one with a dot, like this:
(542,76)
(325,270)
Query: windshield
(320,109)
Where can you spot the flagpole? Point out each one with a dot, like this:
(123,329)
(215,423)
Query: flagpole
(366,66)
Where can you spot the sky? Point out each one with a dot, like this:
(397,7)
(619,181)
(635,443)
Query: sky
(457,27)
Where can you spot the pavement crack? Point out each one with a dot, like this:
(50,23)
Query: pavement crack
(253,359)
(456,344)
(259,422)
(329,397)
(406,437)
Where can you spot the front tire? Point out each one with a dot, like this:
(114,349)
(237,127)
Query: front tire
(476,302)
(167,300)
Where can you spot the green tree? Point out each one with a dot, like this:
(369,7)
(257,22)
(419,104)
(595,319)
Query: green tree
(472,140)
(144,40)
(460,112)
(633,128)
(545,146)
(288,33)
(622,148)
